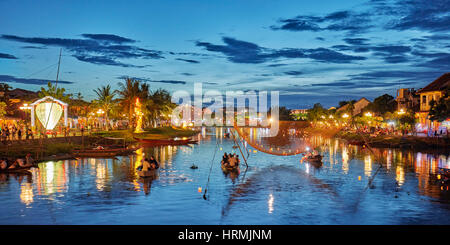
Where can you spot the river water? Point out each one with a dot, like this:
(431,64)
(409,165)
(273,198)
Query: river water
(273,190)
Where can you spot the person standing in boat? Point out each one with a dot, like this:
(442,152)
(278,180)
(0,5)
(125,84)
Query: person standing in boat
(225,159)
(145,165)
(153,163)
(232,161)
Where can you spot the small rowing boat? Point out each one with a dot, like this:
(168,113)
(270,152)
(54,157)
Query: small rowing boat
(147,174)
(316,158)
(228,169)
(112,152)
(19,170)
(165,141)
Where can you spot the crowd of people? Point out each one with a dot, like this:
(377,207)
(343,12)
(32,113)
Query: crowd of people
(19,163)
(13,132)
(230,160)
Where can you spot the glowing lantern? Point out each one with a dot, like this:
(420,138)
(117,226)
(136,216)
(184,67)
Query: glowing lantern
(49,114)
(48,111)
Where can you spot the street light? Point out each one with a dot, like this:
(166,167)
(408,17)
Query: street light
(401,112)
(368,114)
(345,115)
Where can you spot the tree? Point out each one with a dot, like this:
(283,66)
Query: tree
(4,93)
(159,106)
(440,110)
(3,107)
(53,91)
(105,100)
(128,92)
(382,104)
(317,113)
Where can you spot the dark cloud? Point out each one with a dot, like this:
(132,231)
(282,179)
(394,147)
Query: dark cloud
(336,21)
(245,52)
(109,38)
(7,56)
(148,80)
(187,74)
(335,84)
(293,73)
(421,15)
(356,41)
(189,61)
(168,81)
(33,47)
(100,49)
(33,81)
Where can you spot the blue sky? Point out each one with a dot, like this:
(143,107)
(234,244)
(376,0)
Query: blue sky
(310,51)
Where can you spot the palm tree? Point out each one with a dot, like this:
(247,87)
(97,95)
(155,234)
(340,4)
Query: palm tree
(159,106)
(105,100)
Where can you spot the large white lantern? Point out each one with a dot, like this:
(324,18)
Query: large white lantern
(49,111)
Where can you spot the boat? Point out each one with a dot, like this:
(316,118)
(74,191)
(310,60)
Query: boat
(316,158)
(228,169)
(165,141)
(20,170)
(147,174)
(107,152)
(355,142)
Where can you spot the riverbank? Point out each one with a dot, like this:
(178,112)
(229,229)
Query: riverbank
(59,148)
(397,141)
(153,133)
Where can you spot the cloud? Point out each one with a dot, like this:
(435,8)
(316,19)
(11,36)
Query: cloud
(33,47)
(100,49)
(238,51)
(148,80)
(109,38)
(421,15)
(189,61)
(33,81)
(337,21)
(7,56)
(293,73)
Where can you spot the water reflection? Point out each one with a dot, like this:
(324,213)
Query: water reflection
(95,187)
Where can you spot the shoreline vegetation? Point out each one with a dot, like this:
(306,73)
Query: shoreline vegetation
(407,142)
(60,148)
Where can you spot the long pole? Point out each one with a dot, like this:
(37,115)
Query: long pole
(51,106)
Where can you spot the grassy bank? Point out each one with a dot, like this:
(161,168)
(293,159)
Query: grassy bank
(49,149)
(153,133)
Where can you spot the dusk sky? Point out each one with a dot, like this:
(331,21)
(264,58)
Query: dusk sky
(310,51)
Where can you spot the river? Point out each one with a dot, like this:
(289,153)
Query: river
(273,190)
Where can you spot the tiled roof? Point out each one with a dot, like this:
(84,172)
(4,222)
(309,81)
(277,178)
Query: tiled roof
(438,84)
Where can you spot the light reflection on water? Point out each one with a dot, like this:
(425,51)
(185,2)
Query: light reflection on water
(274,190)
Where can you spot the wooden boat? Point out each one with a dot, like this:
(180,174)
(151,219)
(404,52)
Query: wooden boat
(356,142)
(165,141)
(112,152)
(147,174)
(227,169)
(316,158)
(20,170)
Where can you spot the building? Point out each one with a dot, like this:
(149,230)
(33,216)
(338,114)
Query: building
(358,106)
(407,99)
(432,92)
